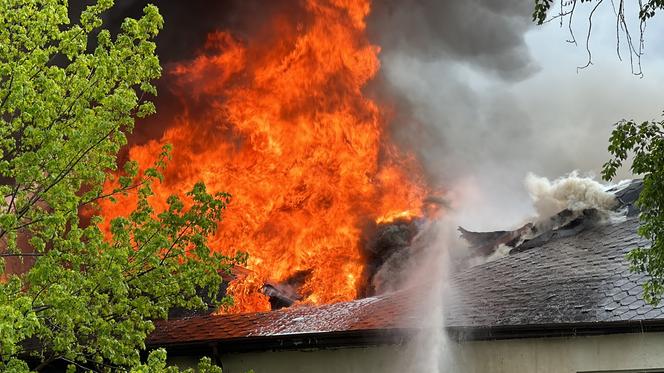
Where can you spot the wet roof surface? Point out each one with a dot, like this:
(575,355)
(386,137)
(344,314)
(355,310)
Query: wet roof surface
(383,312)
(580,279)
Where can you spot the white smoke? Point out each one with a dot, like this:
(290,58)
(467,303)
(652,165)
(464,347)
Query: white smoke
(571,192)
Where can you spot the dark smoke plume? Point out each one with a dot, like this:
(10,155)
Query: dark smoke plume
(485,33)
(187,23)
(436,109)
(186,26)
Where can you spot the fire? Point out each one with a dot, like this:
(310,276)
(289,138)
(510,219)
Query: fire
(282,123)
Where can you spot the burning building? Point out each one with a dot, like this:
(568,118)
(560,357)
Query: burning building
(564,301)
(286,113)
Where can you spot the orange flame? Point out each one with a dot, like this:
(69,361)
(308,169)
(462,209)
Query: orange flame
(283,125)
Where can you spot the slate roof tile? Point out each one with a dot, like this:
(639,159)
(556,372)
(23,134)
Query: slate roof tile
(653,314)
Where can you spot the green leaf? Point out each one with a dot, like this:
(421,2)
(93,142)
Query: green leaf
(91,297)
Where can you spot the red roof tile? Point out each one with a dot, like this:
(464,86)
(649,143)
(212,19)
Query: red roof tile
(384,312)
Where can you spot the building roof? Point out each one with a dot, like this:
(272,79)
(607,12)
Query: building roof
(568,286)
(369,317)
(578,281)
(583,278)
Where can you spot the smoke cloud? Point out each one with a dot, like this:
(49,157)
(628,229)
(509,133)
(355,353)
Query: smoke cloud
(186,27)
(487,34)
(484,97)
(572,192)
(187,24)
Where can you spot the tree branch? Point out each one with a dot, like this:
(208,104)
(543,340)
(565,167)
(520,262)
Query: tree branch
(590,27)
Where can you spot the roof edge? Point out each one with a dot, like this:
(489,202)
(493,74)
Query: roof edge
(553,330)
(375,337)
(304,341)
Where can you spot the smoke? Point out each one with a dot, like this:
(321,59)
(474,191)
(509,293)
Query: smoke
(484,97)
(573,193)
(187,24)
(186,27)
(488,34)
(429,50)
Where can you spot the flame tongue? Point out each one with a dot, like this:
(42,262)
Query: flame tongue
(286,130)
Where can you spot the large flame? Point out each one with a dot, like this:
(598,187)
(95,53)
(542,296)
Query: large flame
(282,124)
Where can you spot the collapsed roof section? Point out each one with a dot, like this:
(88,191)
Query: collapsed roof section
(566,223)
(583,279)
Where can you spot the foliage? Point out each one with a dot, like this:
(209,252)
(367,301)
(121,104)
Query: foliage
(156,363)
(645,141)
(69,93)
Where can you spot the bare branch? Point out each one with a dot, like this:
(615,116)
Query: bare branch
(569,25)
(569,7)
(590,28)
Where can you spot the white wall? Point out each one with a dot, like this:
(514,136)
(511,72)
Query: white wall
(545,355)
(564,355)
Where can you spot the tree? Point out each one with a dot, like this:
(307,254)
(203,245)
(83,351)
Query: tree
(69,94)
(644,141)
